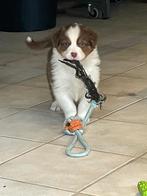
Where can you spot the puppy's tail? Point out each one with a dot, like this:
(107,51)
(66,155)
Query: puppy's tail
(38,45)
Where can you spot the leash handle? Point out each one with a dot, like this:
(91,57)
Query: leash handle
(78,137)
(92,106)
(74,126)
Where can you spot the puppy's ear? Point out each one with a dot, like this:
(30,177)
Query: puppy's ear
(89,35)
(57,36)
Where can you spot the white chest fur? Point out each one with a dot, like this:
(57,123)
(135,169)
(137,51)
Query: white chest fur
(64,76)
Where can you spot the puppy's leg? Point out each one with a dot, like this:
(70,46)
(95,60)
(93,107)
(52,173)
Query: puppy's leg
(66,104)
(55,107)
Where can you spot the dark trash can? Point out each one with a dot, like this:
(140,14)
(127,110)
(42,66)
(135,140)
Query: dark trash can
(27,15)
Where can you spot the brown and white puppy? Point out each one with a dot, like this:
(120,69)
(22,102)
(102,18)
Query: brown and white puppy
(71,42)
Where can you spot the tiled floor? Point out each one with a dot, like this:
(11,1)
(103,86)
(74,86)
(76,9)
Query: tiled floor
(32,144)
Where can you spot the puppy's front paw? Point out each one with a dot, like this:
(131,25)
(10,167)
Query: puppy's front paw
(55,107)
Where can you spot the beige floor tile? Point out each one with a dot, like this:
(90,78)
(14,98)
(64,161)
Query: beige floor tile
(12,188)
(136,113)
(124,86)
(126,41)
(140,48)
(10,75)
(10,148)
(3,85)
(39,81)
(105,76)
(6,111)
(55,169)
(113,103)
(7,57)
(104,48)
(123,60)
(113,67)
(33,125)
(117,137)
(114,137)
(81,194)
(34,61)
(121,182)
(135,53)
(45,107)
(15,42)
(121,38)
(139,72)
(22,96)
(145,156)
(23,69)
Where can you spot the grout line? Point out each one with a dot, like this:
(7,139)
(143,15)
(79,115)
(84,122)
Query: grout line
(38,185)
(17,83)
(120,74)
(22,109)
(95,150)
(115,49)
(22,154)
(40,104)
(83,194)
(15,60)
(23,139)
(139,65)
(9,115)
(5,85)
(144,158)
(129,122)
(41,145)
(112,171)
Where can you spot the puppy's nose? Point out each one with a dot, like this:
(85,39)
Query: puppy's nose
(74,54)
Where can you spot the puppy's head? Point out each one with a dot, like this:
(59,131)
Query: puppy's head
(75,41)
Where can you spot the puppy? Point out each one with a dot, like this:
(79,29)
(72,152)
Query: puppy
(74,42)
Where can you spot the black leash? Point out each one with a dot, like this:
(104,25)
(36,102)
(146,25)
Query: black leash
(95,100)
(81,74)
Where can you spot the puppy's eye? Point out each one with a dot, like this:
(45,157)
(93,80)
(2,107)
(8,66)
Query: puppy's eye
(82,44)
(65,44)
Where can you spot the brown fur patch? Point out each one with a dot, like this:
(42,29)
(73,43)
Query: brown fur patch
(49,71)
(87,40)
(60,40)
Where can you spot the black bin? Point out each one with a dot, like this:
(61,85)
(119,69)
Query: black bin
(27,15)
